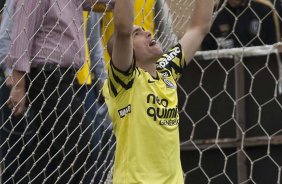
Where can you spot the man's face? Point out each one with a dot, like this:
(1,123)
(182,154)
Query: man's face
(146,48)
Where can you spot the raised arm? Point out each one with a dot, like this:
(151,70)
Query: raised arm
(198,28)
(122,54)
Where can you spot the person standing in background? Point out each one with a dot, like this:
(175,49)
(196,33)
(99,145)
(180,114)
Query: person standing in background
(102,120)
(5,28)
(257,24)
(89,83)
(46,52)
(15,132)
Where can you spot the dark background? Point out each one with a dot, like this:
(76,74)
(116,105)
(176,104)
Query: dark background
(201,119)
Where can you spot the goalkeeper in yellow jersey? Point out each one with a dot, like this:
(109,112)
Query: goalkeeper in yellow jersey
(142,99)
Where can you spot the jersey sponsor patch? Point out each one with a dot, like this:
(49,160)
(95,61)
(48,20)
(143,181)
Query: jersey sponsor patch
(170,122)
(165,73)
(162,111)
(169,84)
(124,111)
(168,57)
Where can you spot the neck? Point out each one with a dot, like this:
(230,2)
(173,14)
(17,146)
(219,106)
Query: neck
(149,67)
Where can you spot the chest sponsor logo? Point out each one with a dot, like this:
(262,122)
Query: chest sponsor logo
(159,110)
(124,111)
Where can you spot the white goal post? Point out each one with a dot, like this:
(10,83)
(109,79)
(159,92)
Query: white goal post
(230,100)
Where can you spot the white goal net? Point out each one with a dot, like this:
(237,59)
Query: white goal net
(230,101)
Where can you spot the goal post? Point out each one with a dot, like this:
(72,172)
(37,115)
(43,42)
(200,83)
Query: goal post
(230,99)
(236,63)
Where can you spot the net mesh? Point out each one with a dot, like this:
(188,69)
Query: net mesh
(230,98)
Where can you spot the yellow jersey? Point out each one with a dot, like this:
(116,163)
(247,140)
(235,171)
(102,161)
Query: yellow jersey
(145,120)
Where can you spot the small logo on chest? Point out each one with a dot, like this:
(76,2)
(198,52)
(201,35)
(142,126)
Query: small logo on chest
(169,84)
(124,111)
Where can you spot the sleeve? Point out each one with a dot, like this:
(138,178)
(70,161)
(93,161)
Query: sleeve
(173,61)
(119,81)
(5,30)
(27,21)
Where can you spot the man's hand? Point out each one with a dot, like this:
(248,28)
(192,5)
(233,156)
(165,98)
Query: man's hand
(16,102)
